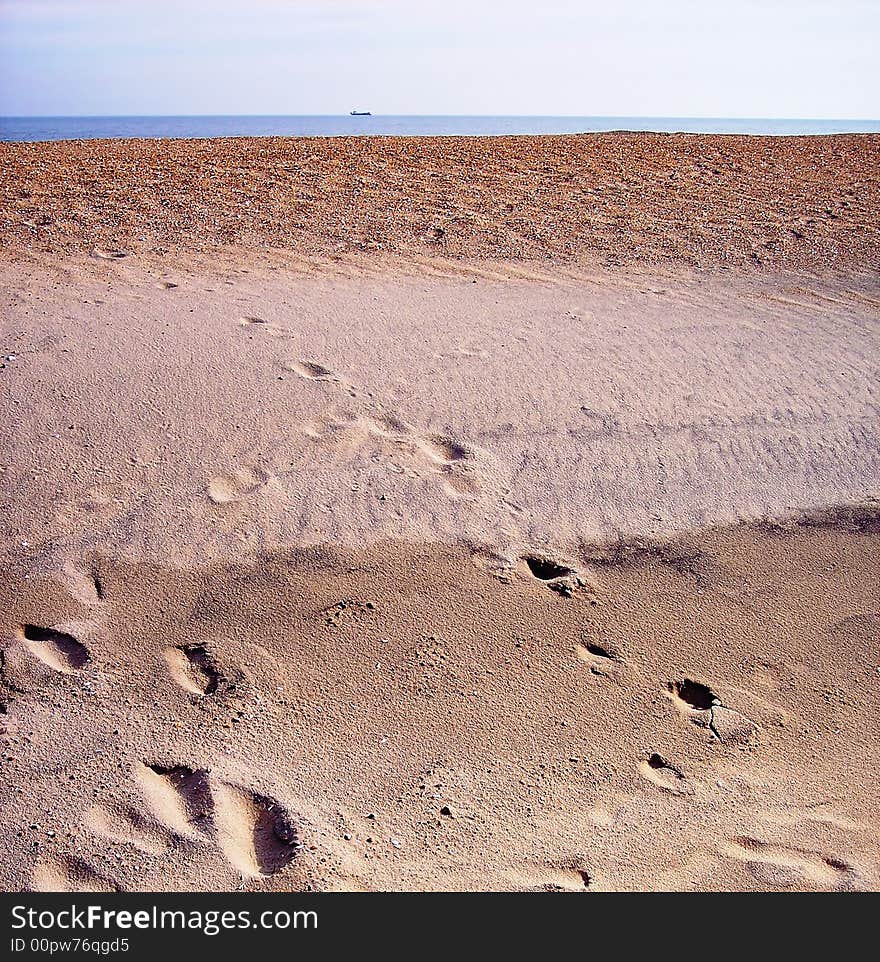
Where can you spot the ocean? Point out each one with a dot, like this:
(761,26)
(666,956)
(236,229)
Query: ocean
(90,128)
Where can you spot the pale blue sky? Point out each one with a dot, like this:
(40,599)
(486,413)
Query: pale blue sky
(752,58)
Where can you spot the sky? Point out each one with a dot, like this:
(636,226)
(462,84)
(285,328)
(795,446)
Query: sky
(674,58)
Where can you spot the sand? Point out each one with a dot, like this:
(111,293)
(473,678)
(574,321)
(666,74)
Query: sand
(710,201)
(493,560)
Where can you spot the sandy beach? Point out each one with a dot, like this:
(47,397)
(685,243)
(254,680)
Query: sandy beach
(455,513)
(619,198)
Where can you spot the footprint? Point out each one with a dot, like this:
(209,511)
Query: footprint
(256,834)
(693,695)
(349,434)
(57,649)
(310,370)
(557,577)
(256,324)
(389,426)
(177,796)
(193,668)
(703,707)
(466,352)
(785,867)
(665,776)
(69,875)
(544,569)
(444,450)
(236,485)
(600,660)
(454,462)
(85,586)
(101,502)
(124,829)
(694,701)
(460,469)
(569,875)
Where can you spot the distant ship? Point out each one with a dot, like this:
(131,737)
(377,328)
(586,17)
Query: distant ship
(360,113)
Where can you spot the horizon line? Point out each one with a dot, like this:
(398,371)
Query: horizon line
(513,116)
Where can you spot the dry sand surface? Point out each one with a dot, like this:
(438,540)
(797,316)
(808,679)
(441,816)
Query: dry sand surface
(490,565)
(799,202)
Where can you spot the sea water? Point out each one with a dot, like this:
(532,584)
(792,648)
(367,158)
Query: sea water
(90,128)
